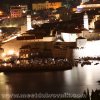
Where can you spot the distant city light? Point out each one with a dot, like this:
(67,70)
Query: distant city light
(11,52)
(1,13)
(3,55)
(91,30)
(24,11)
(0,30)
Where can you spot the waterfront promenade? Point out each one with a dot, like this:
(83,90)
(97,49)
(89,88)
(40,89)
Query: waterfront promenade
(38,64)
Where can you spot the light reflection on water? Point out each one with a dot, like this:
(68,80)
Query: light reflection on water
(4,87)
(71,81)
(81,78)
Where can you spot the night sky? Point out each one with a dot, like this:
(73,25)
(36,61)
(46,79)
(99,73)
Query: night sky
(5,4)
(24,1)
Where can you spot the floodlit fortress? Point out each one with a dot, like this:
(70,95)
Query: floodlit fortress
(46,5)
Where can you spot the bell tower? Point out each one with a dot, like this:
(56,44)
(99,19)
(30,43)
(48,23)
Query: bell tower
(29,22)
(86,21)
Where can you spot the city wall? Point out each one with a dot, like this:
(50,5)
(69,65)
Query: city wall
(91,49)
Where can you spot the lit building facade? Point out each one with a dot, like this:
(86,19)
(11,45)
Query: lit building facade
(25,54)
(18,11)
(84,1)
(46,5)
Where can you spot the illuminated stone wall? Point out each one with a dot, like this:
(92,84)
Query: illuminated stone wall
(64,48)
(15,45)
(46,5)
(83,1)
(91,49)
(89,35)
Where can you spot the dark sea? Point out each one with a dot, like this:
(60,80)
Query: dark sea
(32,85)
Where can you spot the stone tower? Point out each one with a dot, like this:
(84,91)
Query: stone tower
(29,22)
(86,21)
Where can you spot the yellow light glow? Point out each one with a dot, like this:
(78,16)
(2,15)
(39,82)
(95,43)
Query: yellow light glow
(1,13)
(1,73)
(17,54)
(18,34)
(74,9)
(11,52)
(5,64)
(3,54)
(18,62)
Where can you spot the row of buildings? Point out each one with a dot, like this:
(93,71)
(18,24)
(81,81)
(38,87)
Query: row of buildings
(20,10)
(42,43)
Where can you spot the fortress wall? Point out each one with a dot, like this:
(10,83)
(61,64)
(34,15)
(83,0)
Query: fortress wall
(14,45)
(91,49)
(17,44)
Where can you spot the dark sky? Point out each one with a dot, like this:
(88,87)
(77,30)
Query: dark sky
(5,4)
(24,1)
